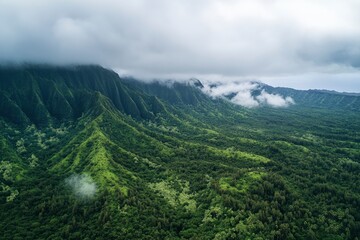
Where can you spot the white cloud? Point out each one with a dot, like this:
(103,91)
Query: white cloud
(245,99)
(274,100)
(82,185)
(241,93)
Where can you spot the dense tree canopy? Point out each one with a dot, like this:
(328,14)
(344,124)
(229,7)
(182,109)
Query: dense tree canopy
(87,155)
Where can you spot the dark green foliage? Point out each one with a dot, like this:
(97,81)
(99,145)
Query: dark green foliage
(171,163)
(41,93)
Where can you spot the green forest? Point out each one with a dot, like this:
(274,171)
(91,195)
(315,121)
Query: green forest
(85,154)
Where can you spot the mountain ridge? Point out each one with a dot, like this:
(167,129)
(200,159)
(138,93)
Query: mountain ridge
(68,92)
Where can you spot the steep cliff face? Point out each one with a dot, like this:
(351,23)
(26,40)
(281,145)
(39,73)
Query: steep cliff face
(171,91)
(40,94)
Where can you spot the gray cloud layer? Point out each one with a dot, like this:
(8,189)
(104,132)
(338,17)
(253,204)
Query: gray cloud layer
(225,39)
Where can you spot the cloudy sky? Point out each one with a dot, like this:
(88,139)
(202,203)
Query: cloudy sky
(301,44)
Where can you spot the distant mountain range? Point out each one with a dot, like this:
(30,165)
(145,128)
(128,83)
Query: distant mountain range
(320,98)
(38,93)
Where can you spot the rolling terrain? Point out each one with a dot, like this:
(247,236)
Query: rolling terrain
(85,154)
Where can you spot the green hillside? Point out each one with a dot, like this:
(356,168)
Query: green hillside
(85,154)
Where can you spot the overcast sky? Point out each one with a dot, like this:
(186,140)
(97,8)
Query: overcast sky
(301,44)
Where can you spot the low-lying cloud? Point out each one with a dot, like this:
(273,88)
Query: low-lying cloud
(274,100)
(82,185)
(243,94)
